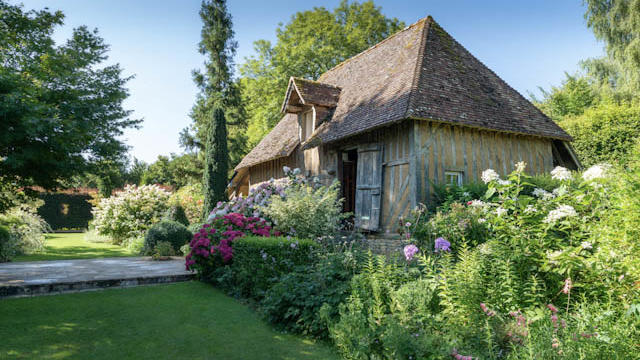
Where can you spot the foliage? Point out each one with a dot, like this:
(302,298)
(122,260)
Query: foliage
(176,213)
(444,195)
(176,170)
(216,84)
(572,97)
(616,23)
(163,249)
(64,210)
(60,105)
(605,133)
(295,300)
(129,213)
(216,163)
(307,212)
(347,30)
(171,232)
(191,199)
(258,262)
(27,231)
(7,244)
(211,246)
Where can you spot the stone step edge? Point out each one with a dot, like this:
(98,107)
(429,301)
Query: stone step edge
(13,291)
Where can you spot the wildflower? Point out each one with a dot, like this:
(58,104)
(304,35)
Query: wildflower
(542,194)
(520,166)
(567,286)
(441,244)
(562,211)
(504,182)
(560,173)
(466,194)
(489,175)
(530,209)
(596,172)
(476,203)
(286,170)
(293,245)
(552,308)
(408,224)
(410,251)
(586,245)
(482,220)
(501,211)
(296,171)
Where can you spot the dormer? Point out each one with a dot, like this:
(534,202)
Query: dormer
(312,101)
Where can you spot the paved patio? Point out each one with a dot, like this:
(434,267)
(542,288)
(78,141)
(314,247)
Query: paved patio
(43,277)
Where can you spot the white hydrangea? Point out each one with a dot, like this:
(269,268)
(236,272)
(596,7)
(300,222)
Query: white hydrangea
(542,194)
(520,166)
(560,173)
(596,172)
(561,212)
(559,191)
(477,203)
(586,245)
(489,175)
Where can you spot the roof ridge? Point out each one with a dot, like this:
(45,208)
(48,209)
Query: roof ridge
(426,19)
(315,82)
(417,71)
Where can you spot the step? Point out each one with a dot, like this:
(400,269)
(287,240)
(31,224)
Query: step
(60,276)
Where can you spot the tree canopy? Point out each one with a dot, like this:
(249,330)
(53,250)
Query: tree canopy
(61,108)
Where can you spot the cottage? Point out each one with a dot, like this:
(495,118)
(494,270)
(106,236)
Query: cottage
(415,109)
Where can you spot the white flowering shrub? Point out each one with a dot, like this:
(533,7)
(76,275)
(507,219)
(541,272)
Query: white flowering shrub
(129,213)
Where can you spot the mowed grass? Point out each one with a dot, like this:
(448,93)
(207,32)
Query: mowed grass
(188,320)
(74,246)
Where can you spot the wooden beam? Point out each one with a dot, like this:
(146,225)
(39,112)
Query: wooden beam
(294,109)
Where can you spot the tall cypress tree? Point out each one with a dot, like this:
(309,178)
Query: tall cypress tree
(216,162)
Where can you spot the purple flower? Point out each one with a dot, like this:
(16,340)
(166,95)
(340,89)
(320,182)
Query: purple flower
(442,245)
(409,251)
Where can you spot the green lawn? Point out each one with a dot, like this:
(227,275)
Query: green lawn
(74,246)
(188,320)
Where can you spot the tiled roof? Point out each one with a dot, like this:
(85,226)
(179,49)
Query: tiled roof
(422,72)
(311,92)
(280,142)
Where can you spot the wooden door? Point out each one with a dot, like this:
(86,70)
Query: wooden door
(368,186)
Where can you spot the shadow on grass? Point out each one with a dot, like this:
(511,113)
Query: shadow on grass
(179,321)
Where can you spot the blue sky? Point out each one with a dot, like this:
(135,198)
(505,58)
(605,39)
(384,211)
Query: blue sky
(529,44)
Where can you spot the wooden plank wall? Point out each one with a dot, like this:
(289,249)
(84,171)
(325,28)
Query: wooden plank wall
(270,169)
(397,145)
(442,147)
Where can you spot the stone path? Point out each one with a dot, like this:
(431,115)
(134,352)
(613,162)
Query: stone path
(44,277)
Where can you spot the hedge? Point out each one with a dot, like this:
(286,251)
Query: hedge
(259,261)
(66,211)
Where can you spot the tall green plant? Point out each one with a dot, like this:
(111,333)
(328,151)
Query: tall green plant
(216,163)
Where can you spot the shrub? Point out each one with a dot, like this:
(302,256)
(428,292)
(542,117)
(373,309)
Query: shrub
(191,198)
(211,249)
(26,228)
(129,213)
(307,212)
(163,249)
(168,231)
(258,262)
(176,213)
(8,245)
(251,206)
(293,303)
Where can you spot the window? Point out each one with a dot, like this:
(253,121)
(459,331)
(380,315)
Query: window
(453,178)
